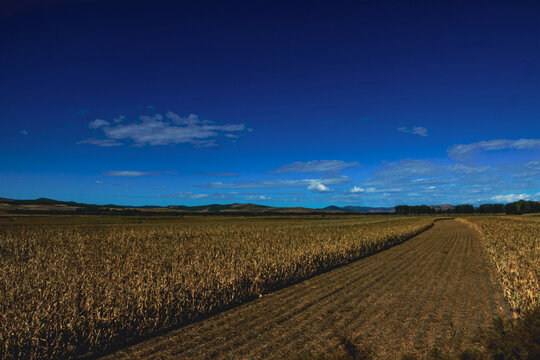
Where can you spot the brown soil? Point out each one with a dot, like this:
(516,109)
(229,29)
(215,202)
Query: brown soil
(436,289)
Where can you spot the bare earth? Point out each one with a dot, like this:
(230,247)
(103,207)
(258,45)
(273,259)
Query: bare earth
(433,290)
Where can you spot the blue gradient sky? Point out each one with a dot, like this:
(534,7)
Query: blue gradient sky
(289,103)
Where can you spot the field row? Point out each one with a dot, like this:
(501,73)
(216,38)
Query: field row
(66,290)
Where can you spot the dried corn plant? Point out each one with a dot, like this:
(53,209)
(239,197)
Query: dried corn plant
(512,243)
(66,290)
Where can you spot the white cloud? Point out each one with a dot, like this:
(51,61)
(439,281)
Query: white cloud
(415,130)
(315,166)
(96,124)
(460,152)
(510,197)
(357,189)
(159,130)
(100,182)
(318,187)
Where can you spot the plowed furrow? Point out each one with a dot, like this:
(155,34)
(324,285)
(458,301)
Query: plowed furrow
(433,290)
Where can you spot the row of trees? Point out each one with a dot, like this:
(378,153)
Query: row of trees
(518,207)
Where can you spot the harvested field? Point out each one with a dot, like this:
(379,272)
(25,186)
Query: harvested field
(436,289)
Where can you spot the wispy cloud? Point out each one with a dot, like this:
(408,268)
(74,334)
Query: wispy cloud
(96,124)
(467,169)
(100,142)
(511,197)
(460,152)
(161,130)
(183,195)
(360,190)
(219,174)
(415,130)
(23,132)
(530,169)
(419,181)
(258,197)
(315,166)
(190,195)
(406,169)
(100,182)
(132,173)
(119,119)
(310,184)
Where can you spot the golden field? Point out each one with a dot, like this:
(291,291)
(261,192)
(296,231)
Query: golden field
(72,288)
(513,245)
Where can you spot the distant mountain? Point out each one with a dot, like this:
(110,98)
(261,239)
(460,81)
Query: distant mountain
(333,207)
(51,202)
(443,207)
(361,209)
(49,205)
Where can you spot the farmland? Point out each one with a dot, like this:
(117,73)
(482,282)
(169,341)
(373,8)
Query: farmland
(265,287)
(431,292)
(75,287)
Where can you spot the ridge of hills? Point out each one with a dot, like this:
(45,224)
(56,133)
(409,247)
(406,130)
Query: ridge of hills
(46,204)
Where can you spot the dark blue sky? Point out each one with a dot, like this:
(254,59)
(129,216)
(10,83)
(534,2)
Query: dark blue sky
(293,103)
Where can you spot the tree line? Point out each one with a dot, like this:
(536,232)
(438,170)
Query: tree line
(518,207)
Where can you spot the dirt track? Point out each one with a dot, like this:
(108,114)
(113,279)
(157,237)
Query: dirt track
(433,290)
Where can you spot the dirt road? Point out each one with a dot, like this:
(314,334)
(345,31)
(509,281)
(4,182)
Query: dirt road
(433,290)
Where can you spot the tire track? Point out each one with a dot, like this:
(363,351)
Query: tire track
(432,290)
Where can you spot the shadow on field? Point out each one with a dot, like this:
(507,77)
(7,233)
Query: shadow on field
(346,350)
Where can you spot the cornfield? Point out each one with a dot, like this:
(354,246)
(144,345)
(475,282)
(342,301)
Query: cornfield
(512,243)
(68,290)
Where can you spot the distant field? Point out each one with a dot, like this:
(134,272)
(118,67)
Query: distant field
(71,285)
